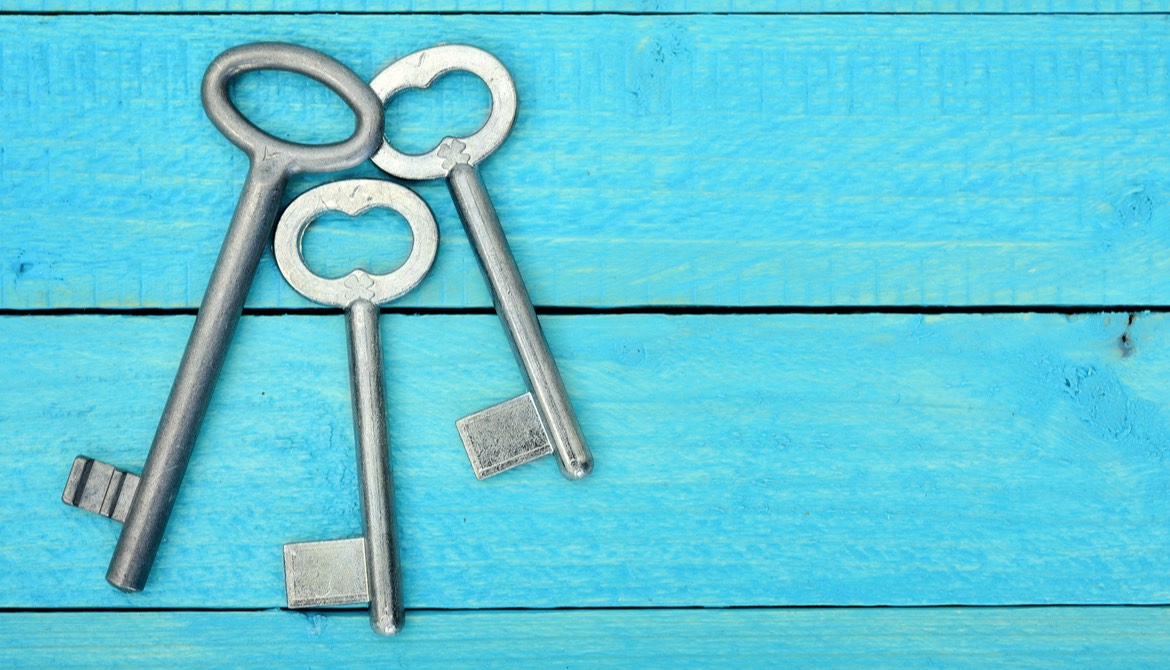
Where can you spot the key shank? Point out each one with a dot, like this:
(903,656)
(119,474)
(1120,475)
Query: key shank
(223,302)
(519,319)
(373,453)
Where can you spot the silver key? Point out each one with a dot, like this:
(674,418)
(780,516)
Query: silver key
(356,570)
(542,420)
(146,507)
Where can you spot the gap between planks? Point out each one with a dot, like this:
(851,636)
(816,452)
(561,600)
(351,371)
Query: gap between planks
(666,310)
(630,608)
(795,13)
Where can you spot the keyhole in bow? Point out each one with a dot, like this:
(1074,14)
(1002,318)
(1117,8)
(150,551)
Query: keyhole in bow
(454,105)
(292,107)
(377,241)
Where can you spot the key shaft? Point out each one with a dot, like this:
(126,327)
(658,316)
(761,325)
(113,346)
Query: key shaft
(518,317)
(367,389)
(191,392)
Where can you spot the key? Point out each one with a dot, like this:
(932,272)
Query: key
(273,161)
(356,570)
(542,420)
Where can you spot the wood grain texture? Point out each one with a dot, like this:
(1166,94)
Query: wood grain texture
(679,159)
(750,460)
(916,638)
(599,6)
(672,160)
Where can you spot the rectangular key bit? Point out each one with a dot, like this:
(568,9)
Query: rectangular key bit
(100,488)
(503,436)
(332,572)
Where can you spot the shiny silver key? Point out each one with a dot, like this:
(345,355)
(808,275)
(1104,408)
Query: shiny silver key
(542,420)
(146,506)
(356,570)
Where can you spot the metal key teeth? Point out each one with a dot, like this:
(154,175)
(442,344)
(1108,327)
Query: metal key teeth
(319,574)
(503,436)
(100,488)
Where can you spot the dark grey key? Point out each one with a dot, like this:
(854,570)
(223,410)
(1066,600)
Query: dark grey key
(273,162)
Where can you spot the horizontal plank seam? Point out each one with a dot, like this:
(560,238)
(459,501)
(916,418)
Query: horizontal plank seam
(578,13)
(137,610)
(679,310)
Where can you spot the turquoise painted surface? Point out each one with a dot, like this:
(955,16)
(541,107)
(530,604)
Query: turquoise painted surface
(742,460)
(924,638)
(775,156)
(852,160)
(589,6)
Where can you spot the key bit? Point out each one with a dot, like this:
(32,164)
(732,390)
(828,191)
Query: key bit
(320,574)
(100,488)
(503,436)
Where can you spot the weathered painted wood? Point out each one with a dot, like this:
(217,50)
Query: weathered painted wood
(724,160)
(1067,637)
(601,6)
(750,460)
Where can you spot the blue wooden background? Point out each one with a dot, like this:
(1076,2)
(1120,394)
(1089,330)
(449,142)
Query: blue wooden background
(862,304)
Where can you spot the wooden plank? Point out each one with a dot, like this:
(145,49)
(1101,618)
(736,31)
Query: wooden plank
(600,6)
(677,160)
(834,638)
(741,460)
